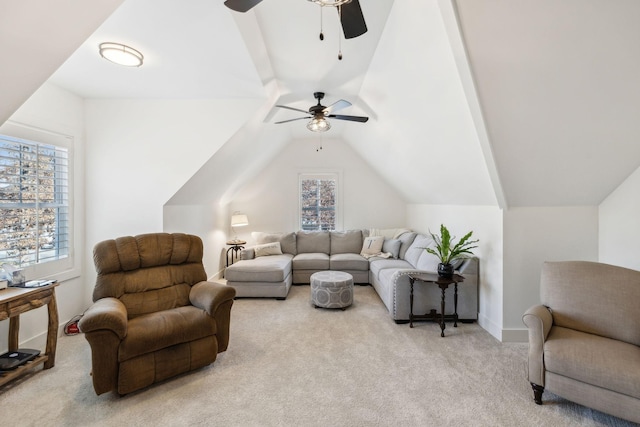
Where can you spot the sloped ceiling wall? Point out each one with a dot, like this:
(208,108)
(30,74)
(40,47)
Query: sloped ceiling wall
(36,38)
(422,138)
(559,85)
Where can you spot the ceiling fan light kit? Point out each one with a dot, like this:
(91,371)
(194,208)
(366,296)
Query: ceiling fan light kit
(121,54)
(319,124)
(318,114)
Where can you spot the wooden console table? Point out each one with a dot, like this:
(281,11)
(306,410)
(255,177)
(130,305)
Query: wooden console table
(14,302)
(443,284)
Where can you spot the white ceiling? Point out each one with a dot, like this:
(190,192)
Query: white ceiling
(556,80)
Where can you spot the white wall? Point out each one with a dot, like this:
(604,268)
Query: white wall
(620,225)
(532,236)
(271,199)
(486,224)
(141,152)
(56,110)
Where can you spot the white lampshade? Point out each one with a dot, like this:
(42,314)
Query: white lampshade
(239,220)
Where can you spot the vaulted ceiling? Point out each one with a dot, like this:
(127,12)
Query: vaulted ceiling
(478,102)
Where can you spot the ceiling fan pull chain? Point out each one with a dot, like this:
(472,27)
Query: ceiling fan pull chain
(321,34)
(340,35)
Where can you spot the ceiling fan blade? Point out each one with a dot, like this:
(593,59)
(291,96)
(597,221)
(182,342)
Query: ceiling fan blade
(352,19)
(350,118)
(292,120)
(294,109)
(338,105)
(241,5)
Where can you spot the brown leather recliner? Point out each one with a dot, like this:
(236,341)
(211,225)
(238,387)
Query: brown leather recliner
(154,314)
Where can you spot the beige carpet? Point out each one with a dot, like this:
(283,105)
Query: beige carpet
(289,364)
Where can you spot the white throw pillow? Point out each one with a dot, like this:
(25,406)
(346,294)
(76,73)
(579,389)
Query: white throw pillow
(268,249)
(372,245)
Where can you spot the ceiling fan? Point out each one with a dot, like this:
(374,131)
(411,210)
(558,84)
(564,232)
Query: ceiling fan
(351,18)
(318,114)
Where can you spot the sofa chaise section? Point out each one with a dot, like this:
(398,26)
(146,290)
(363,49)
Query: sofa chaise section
(268,276)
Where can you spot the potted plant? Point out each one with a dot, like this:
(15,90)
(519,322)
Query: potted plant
(447,252)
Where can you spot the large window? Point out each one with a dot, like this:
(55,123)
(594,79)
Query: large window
(318,201)
(34,202)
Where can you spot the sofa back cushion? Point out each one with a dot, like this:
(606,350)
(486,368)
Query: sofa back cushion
(417,248)
(313,242)
(591,297)
(148,272)
(346,242)
(406,240)
(428,262)
(287,240)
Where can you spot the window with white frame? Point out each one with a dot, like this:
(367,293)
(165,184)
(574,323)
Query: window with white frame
(34,202)
(318,201)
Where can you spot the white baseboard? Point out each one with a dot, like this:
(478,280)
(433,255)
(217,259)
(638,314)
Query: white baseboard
(503,335)
(489,326)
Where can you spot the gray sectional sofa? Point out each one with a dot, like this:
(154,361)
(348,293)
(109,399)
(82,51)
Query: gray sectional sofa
(281,259)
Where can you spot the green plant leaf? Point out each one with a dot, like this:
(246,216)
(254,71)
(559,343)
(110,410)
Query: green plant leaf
(446,250)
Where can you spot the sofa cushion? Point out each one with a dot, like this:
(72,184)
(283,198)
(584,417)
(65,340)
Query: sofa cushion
(392,246)
(268,249)
(274,268)
(287,240)
(343,262)
(592,359)
(407,240)
(311,261)
(428,262)
(378,264)
(345,242)
(313,242)
(417,248)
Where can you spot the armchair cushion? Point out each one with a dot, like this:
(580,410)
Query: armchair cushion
(608,360)
(165,328)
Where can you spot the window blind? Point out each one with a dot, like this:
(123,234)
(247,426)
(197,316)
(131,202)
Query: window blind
(34,202)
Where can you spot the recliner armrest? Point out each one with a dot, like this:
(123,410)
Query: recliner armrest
(209,295)
(539,321)
(105,313)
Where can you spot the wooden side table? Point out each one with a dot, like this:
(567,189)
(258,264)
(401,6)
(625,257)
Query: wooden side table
(14,302)
(236,247)
(443,284)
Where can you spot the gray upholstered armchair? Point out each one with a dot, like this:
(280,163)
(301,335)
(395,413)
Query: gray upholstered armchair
(584,338)
(154,314)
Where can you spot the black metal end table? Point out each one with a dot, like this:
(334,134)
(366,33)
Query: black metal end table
(236,247)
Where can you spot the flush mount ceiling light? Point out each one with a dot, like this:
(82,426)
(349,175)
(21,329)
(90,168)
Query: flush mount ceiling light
(334,3)
(319,124)
(121,54)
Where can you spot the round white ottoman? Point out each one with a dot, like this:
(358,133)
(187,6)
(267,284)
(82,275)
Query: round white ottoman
(331,289)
